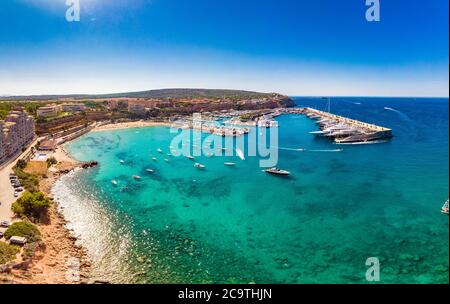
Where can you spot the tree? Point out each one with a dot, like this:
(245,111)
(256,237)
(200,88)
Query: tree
(24,229)
(31,205)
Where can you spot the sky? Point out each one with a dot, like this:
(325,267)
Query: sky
(293,47)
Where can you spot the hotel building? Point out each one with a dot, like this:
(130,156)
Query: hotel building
(49,111)
(16,132)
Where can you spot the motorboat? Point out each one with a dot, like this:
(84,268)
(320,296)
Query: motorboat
(114,182)
(199,166)
(230,164)
(136,177)
(190,157)
(277,171)
(159,150)
(150,170)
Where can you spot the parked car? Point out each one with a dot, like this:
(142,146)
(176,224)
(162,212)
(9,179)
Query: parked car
(16,194)
(19,189)
(5,224)
(1,234)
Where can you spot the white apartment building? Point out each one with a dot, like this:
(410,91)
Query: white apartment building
(16,132)
(48,111)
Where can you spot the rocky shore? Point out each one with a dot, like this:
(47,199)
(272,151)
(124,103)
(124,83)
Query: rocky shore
(59,258)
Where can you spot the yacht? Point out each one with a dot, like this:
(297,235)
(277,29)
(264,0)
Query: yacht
(190,157)
(230,164)
(159,150)
(122,162)
(136,177)
(150,170)
(277,171)
(114,182)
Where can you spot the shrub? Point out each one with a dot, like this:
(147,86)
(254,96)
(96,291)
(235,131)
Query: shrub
(31,205)
(29,181)
(7,252)
(51,161)
(24,229)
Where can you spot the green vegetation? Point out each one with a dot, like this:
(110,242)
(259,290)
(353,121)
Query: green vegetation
(31,205)
(4,109)
(164,93)
(29,181)
(24,229)
(51,161)
(7,252)
(247,117)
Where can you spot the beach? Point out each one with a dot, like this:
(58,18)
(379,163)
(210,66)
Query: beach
(60,247)
(129,125)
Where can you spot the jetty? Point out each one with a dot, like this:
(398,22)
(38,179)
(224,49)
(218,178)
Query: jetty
(213,128)
(345,130)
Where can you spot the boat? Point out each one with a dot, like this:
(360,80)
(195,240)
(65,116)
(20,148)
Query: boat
(190,157)
(199,166)
(224,149)
(166,160)
(445,208)
(114,182)
(230,164)
(136,177)
(122,162)
(159,150)
(154,158)
(150,170)
(277,171)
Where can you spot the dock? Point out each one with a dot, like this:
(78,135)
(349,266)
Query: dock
(345,130)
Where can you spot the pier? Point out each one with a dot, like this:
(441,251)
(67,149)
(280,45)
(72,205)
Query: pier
(345,130)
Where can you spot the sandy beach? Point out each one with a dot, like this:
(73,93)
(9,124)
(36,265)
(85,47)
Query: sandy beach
(130,125)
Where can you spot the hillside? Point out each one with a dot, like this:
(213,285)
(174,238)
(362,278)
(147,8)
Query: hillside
(163,93)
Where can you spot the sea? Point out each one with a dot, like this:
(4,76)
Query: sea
(347,213)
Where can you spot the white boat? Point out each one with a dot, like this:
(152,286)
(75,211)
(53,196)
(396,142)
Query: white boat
(122,162)
(445,208)
(166,160)
(136,177)
(199,166)
(240,154)
(190,157)
(224,149)
(159,150)
(230,164)
(114,182)
(150,170)
(277,171)
(154,158)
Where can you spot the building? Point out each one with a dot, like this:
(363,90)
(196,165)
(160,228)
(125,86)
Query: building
(48,111)
(136,108)
(16,132)
(73,107)
(48,145)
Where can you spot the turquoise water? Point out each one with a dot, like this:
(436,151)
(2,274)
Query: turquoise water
(240,225)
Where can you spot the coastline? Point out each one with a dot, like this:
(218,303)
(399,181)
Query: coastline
(59,259)
(129,125)
(51,263)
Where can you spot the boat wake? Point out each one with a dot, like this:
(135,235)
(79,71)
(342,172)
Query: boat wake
(330,150)
(364,143)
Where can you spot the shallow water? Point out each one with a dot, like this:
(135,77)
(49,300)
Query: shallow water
(239,225)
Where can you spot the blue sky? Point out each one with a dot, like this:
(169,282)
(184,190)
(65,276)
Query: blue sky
(316,48)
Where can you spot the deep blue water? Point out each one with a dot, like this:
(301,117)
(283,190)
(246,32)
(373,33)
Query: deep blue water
(241,225)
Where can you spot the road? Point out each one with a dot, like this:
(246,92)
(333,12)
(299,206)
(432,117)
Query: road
(6,190)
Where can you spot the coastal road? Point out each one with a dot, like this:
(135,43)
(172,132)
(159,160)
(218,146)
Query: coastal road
(6,190)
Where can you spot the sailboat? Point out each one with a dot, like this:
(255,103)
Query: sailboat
(445,208)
